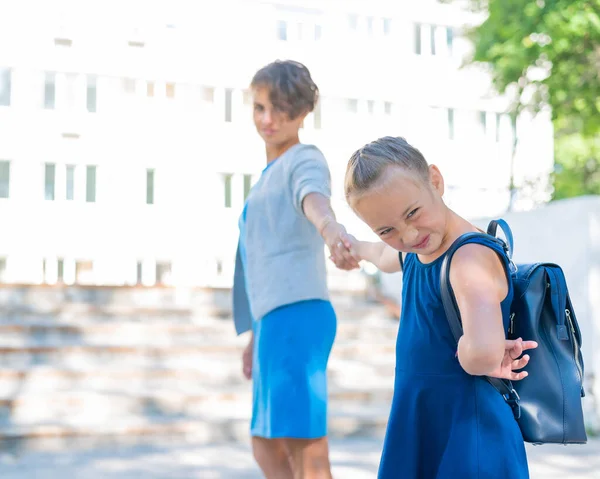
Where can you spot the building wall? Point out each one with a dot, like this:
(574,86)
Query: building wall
(106,95)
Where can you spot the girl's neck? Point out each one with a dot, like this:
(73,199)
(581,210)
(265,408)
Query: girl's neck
(275,151)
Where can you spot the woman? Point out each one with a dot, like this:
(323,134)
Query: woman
(280,287)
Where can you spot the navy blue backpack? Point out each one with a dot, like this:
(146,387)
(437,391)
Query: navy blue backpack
(547,403)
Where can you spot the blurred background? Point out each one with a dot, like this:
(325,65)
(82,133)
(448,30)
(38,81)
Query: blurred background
(126,153)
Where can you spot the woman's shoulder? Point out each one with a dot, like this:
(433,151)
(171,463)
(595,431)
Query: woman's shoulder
(304,151)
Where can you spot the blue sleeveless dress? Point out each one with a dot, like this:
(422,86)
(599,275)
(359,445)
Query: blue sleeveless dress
(444,423)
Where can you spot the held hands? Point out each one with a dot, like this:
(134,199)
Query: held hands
(339,243)
(512,361)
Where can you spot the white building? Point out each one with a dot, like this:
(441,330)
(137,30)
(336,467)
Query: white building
(126,142)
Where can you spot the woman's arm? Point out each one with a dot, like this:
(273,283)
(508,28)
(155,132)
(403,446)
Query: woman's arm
(480,284)
(317,208)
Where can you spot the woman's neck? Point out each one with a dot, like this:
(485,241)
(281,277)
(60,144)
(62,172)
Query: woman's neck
(275,151)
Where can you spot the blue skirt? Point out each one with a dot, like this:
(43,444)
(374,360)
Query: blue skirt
(289,370)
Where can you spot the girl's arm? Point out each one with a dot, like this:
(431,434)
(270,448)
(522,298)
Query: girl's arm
(380,254)
(480,284)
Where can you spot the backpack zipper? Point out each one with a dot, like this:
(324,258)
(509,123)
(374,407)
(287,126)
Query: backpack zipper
(575,344)
(511,327)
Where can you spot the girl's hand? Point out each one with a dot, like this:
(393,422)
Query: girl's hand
(512,361)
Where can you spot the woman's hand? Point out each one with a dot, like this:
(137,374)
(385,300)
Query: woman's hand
(336,238)
(512,361)
(247,359)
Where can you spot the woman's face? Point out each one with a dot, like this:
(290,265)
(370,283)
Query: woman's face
(274,126)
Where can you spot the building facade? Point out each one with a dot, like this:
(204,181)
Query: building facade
(126,140)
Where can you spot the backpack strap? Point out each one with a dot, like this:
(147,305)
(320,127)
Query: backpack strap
(492,230)
(503,386)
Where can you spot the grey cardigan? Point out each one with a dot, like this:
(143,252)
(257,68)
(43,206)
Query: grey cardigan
(285,254)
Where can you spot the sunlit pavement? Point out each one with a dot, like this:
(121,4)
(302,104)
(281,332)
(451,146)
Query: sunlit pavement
(164,458)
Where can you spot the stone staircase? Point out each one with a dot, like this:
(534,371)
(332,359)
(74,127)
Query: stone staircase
(129,362)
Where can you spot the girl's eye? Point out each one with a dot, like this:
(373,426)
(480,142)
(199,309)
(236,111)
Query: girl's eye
(412,213)
(258,108)
(384,232)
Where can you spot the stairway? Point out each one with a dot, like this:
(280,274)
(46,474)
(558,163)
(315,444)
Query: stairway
(122,363)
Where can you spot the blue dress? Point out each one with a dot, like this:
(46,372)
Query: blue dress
(444,423)
(292,344)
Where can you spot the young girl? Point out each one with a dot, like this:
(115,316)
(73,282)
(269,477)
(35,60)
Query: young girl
(446,422)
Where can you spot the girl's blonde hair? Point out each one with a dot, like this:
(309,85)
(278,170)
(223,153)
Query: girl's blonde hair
(367,164)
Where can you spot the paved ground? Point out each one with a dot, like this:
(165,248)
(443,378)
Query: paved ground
(172,459)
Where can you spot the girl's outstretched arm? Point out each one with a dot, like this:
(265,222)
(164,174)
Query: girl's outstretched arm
(380,254)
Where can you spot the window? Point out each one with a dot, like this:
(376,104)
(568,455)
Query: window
(247,97)
(84,271)
(498,119)
(318,32)
(50,91)
(352,105)
(129,85)
(150,89)
(139,273)
(370,26)
(483,122)
(49,181)
(449,39)
(353,22)
(70,183)
(282,30)
(317,115)
(163,272)
(90,184)
(208,94)
(371,106)
(247,185)
(4,179)
(228,104)
(170,90)
(150,186)
(5,86)
(91,93)
(387,107)
(227,184)
(432,30)
(417,38)
(451,123)
(71,91)
(2,270)
(387,26)
(60,271)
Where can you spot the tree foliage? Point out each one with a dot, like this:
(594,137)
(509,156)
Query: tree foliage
(549,52)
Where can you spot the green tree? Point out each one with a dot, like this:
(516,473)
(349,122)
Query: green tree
(547,52)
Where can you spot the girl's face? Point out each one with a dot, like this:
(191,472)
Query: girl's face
(274,126)
(405,212)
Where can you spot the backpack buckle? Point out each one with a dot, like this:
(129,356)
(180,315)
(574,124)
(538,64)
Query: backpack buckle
(512,399)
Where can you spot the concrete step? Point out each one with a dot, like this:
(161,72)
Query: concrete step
(85,406)
(229,424)
(133,300)
(160,332)
(210,373)
(61,354)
